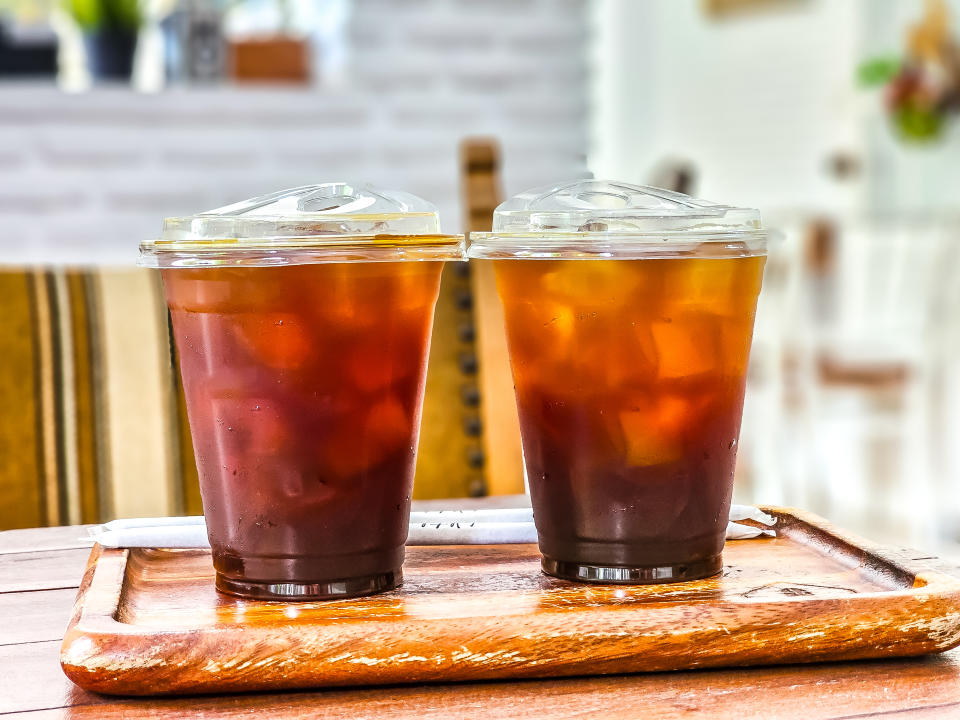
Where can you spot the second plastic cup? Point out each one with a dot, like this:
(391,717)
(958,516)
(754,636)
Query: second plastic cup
(629,316)
(302,321)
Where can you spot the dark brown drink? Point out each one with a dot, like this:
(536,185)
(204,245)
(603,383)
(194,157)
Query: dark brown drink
(630,378)
(304,386)
(302,321)
(629,315)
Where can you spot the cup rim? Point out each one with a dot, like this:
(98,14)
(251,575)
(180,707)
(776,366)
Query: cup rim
(299,250)
(548,244)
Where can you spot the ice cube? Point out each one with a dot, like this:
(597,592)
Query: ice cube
(193,291)
(364,438)
(375,362)
(629,357)
(276,339)
(654,433)
(413,286)
(686,345)
(592,282)
(248,425)
(722,286)
(701,283)
(388,424)
(558,326)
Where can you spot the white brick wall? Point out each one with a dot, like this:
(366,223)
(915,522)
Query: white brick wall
(83,178)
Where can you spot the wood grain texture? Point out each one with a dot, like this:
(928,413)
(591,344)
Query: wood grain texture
(27,681)
(26,615)
(33,540)
(47,570)
(150,622)
(922,687)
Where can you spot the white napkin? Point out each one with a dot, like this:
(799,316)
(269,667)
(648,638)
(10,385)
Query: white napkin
(436,527)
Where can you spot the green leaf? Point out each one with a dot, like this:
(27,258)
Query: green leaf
(122,13)
(85,12)
(114,14)
(878,71)
(918,124)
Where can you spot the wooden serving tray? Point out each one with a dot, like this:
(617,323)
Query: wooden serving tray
(149,622)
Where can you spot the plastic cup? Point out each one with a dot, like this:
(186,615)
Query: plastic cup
(302,321)
(629,316)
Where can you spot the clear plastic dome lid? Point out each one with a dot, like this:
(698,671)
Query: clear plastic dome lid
(586,218)
(333,221)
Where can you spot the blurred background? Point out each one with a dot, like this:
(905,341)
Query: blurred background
(837,118)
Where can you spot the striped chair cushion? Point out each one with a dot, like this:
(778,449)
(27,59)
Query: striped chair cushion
(93,425)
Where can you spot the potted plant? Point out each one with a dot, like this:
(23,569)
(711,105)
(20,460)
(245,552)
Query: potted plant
(922,89)
(110,29)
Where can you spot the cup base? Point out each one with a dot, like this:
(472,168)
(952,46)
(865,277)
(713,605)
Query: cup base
(326,590)
(620,575)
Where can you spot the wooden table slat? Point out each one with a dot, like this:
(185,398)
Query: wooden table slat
(37,539)
(42,570)
(30,678)
(34,616)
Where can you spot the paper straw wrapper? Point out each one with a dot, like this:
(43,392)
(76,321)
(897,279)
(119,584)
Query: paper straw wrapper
(437,527)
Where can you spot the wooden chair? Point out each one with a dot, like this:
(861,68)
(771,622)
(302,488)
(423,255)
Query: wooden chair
(480,165)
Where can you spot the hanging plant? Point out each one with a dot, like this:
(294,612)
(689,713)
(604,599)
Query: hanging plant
(921,89)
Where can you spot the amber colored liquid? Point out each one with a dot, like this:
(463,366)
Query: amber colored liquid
(304,386)
(629,379)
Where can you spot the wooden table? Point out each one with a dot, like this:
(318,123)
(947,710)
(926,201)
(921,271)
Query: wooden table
(40,570)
